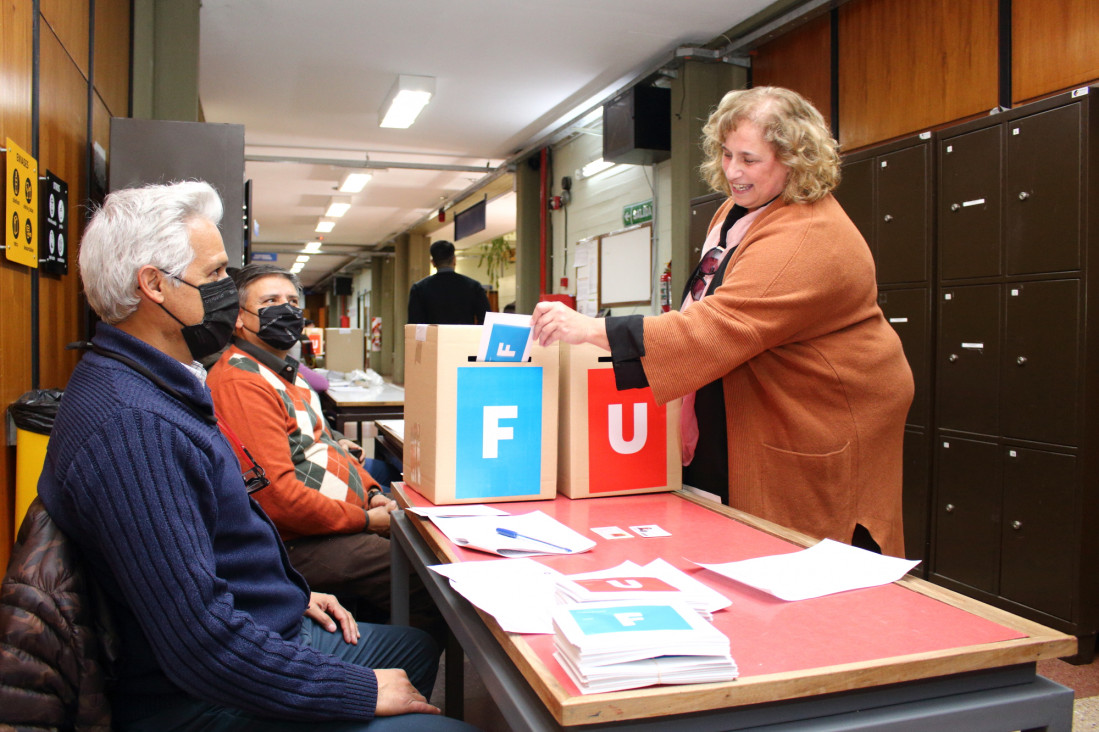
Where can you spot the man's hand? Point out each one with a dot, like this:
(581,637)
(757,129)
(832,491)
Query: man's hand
(377,517)
(354,449)
(397,695)
(327,611)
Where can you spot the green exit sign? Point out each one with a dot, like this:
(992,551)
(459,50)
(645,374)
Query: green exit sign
(637,213)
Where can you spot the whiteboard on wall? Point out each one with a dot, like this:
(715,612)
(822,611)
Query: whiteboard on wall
(625,267)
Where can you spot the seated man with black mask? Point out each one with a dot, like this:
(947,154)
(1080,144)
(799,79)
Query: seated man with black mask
(326,506)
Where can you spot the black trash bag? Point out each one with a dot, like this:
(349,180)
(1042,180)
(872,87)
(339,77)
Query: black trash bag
(36,410)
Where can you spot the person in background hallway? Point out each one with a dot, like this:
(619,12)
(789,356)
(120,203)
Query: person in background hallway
(795,387)
(217,630)
(323,500)
(446,297)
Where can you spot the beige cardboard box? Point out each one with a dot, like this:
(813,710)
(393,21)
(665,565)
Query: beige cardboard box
(343,349)
(612,442)
(477,432)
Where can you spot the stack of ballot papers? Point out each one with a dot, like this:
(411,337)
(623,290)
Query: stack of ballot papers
(656,581)
(610,646)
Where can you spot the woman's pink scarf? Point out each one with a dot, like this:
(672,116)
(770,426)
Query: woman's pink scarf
(688,423)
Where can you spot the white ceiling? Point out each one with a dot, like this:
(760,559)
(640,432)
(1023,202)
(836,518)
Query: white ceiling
(306,79)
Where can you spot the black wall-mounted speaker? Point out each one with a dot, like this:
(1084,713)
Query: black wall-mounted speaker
(341,285)
(637,126)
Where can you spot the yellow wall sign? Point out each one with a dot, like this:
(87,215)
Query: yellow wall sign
(22,207)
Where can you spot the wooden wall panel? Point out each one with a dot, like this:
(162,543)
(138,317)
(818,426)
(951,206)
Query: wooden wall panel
(799,60)
(16,70)
(62,135)
(112,55)
(907,65)
(69,21)
(1054,46)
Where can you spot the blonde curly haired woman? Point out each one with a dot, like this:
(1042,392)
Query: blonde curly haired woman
(795,387)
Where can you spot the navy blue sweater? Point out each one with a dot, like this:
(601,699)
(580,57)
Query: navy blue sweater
(205,597)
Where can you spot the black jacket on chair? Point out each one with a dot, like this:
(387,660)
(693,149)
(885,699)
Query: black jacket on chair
(56,643)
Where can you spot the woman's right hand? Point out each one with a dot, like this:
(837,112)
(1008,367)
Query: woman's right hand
(555,321)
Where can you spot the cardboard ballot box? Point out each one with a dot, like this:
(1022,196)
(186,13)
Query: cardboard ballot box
(612,442)
(477,432)
(343,349)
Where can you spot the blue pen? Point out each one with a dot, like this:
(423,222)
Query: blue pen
(516,535)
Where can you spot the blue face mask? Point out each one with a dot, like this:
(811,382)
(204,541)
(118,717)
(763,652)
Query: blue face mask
(220,307)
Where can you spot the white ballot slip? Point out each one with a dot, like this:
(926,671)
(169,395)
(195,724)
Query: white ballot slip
(522,535)
(824,569)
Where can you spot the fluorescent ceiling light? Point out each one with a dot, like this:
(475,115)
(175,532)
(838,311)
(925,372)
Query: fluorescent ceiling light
(406,100)
(338,206)
(313,247)
(297,268)
(324,226)
(354,182)
(302,259)
(594,168)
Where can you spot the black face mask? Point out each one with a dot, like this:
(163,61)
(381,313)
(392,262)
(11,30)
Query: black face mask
(280,326)
(220,307)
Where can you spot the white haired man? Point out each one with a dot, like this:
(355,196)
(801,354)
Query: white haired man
(218,632)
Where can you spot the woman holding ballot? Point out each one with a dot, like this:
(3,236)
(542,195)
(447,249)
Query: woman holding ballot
(795,387)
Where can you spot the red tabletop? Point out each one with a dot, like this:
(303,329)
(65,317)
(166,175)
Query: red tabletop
(768,635)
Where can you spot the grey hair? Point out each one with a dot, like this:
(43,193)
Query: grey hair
(137,227)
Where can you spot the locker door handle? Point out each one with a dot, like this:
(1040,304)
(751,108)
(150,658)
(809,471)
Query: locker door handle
(952,357)
(887,218)
(1016,525)
(1021,360)
(955,207)
(1023,195)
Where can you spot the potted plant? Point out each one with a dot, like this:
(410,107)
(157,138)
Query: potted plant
(496,254)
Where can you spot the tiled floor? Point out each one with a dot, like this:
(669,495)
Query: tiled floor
(1083,680)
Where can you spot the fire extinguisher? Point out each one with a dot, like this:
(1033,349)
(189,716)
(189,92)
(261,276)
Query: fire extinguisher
(666,288)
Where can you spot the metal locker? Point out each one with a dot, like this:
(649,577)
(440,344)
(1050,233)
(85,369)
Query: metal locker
(856,194)
(968,359)
(969,205)
(903,219)
(1039,544)
(967,512)
(917,459)
(1042,196)
(1041,355)
(909,311)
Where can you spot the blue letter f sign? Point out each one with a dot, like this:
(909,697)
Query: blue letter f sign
(499,432)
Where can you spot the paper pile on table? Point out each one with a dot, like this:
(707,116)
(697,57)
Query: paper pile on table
(657,581)
(611,646)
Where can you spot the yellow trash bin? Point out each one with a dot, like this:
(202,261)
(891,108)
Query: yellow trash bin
(33,414)
(30,454)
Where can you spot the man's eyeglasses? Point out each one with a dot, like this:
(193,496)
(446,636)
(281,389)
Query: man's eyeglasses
(709,264)
(254,477)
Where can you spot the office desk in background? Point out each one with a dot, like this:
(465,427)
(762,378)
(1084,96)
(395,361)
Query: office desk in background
(907,656)
(343,404)
(389,443)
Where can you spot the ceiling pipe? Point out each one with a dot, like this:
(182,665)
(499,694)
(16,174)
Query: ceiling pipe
(368,164)
(543,214)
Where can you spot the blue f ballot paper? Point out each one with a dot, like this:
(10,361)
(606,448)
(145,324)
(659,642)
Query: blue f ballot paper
(628,619)
(505,337)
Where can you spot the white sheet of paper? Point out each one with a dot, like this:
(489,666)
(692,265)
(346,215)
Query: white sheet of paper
(548,535)
(463,509)
(516,320)
(526,606)
(823,569)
